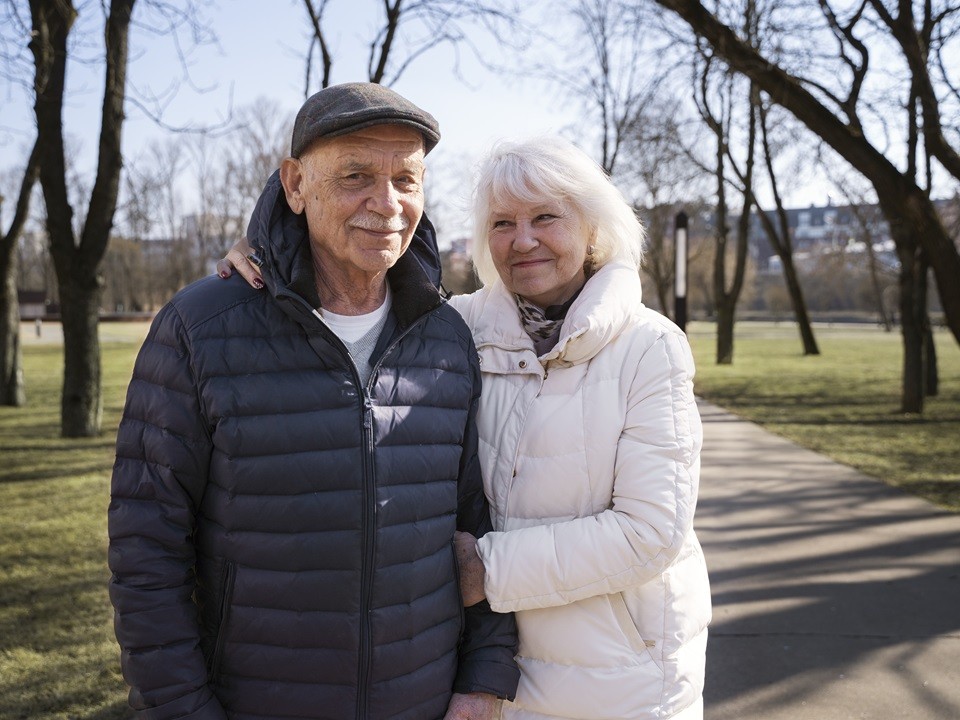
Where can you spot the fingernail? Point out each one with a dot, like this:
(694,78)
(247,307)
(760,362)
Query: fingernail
(258,283)
(224,275)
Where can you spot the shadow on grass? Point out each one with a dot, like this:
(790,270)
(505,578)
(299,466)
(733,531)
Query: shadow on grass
(57,646)
(54,692)
(781,402)
(891,421)
(54,473)
(119,710)
(40,458)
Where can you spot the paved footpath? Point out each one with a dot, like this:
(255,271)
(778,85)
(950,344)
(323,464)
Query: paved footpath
(835,597)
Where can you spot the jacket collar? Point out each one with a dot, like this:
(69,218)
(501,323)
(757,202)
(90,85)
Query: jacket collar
(608,303)
(283,242)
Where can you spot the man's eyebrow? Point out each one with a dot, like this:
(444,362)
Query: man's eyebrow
(354,164)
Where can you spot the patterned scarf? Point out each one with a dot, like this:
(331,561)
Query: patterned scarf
(543,326)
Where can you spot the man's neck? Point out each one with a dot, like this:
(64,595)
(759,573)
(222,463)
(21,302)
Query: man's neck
(349,293)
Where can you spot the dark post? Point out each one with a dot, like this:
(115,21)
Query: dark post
(680,270)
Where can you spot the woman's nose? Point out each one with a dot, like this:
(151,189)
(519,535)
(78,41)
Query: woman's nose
(525,240)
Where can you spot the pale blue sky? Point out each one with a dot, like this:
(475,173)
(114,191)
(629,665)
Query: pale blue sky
(260,53)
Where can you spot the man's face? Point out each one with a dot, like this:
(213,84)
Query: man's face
(363,197)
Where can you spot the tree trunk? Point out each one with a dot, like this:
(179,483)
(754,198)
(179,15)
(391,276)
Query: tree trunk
(782,243)
(80,404)
(722,301)
(799,307)
(931,376)
(784,250)
(12,390)
(725,324)
(875,281)
(911,400)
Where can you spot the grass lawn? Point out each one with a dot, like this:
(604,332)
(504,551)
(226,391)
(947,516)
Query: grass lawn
(58,658)
(843,403)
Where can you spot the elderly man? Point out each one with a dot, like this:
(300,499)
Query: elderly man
(292,464)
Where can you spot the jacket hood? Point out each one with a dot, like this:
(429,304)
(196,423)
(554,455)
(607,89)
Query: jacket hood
(281,238)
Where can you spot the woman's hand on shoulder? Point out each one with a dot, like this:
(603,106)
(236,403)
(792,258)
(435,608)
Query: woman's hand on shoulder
(239,258)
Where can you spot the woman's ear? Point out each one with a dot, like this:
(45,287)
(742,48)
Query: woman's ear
(291,177)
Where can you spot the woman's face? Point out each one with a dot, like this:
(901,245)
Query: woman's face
(539,249)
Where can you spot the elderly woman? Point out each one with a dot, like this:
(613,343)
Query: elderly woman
(590,448)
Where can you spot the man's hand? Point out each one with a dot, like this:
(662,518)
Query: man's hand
(474,706)
(472,573)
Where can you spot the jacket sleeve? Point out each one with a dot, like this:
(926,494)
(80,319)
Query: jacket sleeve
(489,641)
(655,488)
(163,451)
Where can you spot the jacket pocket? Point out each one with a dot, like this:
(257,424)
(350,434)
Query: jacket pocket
(227,579)
(641,645)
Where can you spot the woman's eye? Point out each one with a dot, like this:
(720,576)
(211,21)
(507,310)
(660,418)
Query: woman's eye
(501,223)
(543,217)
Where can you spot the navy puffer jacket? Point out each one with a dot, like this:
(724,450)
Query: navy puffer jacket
(281,538)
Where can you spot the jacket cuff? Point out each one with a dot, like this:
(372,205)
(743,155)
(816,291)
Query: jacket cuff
(478,674)
(210,710)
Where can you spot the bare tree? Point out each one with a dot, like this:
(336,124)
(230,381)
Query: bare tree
(869,221)
(78,233)
(634,116)
(655,171)
(76,259)
(12,389)
(127,280)
(230,176)
(408,30)
(779,236)
(263,138)
(833,115)
(720,88)
(609,76)
(14,68)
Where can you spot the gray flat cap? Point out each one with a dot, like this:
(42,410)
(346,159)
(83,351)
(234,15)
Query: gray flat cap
(342,109)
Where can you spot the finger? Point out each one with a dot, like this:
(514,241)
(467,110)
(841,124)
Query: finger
(223,268)
(248,271)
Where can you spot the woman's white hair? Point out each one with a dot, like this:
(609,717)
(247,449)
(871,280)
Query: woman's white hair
(550,168)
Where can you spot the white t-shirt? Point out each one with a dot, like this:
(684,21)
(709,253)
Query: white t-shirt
(360,332)
(351,328)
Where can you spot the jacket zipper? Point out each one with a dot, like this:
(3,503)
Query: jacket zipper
(369,518)
(369,538)
(367,522)
(368,498)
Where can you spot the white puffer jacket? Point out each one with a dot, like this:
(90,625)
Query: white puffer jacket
(590,458)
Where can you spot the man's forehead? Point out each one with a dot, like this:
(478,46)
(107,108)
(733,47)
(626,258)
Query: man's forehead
(400,144)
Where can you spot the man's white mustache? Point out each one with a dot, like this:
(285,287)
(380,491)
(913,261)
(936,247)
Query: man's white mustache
(378,223)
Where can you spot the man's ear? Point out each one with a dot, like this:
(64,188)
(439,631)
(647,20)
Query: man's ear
(291,177)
